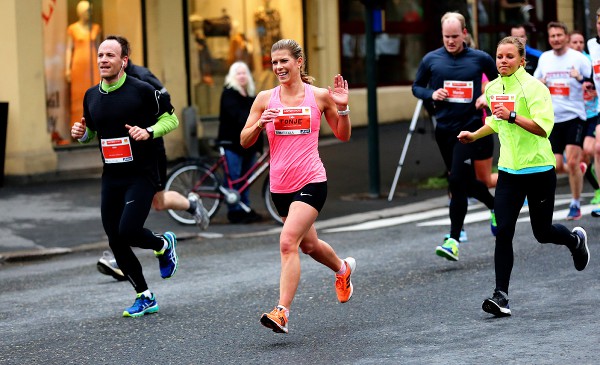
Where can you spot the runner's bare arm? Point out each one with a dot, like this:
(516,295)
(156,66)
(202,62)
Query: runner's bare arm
(256,119)
(335,106)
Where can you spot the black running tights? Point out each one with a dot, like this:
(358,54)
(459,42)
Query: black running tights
(125,205)
(461,180)
(511,190)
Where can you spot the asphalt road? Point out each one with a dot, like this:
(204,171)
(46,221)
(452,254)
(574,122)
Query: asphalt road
(409,305)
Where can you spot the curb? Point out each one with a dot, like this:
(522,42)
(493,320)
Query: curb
(43,253)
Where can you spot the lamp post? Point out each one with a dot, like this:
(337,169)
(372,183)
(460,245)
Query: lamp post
(374,23)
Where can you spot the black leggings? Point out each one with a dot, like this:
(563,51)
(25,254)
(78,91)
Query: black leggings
(511,190)
(125,205)
(462,181)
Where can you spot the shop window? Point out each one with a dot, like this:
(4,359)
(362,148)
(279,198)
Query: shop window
(398,50)
(73,30)
(225,31)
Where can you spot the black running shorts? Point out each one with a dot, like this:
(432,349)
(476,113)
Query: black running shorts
(313,194)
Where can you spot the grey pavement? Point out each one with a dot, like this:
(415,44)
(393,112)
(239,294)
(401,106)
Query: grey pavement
(62,216)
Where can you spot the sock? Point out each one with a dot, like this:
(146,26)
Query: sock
(165,244)
(192,207)
(285,310)
(146,293)
(575,203)
(343,269)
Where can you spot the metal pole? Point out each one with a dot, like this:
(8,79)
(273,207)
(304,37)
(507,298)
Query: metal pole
(373,133)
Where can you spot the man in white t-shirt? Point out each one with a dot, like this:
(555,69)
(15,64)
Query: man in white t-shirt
(593,46)
(564,70)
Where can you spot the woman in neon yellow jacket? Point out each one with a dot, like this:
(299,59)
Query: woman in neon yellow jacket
(523,117)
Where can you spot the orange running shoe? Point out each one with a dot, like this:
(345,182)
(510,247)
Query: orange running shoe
(276,320)
(343,284)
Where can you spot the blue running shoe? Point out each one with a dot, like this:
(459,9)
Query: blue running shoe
(463,236)
(167,257)
(493,225)
(142,305)
(574,213)
(596,212)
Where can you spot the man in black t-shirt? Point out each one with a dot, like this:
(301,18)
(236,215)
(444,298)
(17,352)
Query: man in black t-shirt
(126,114)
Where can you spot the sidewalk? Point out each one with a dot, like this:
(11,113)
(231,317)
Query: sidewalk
(63,216)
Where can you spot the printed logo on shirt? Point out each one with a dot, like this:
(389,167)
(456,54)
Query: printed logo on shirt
(459,91)
(292,121)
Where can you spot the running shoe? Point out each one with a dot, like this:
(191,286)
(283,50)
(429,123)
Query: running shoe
(581,253)
(497,304)
(449,250)
(200,214)
(343,284)
(107,265)
(276,320)
(596,212)
(493,225)
(462,238)
(574,213)
(596,198)
(167,257)
(142,305)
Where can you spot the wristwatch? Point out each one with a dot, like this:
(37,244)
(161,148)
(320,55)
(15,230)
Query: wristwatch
(150,131)
(512,117)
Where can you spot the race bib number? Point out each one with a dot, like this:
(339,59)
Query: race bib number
(459,91)
(559,88)
(292,121)
(558,83)
(508,100)
(116,150)
(596,67)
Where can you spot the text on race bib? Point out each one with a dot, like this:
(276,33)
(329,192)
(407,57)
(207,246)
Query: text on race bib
(459,91)
(116,150)
(292,121)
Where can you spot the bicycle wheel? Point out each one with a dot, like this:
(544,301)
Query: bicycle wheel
(266,194)
(191,177)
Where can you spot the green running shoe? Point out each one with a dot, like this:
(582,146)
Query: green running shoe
(493,225)
(596,198)
(449,250)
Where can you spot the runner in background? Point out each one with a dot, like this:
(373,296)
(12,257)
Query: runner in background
(563,70)
(590,97)
(451,77)
(593,46)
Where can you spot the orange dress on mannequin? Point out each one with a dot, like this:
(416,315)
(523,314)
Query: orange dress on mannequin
(84,72)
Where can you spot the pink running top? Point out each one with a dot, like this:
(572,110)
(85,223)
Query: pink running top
(295,160)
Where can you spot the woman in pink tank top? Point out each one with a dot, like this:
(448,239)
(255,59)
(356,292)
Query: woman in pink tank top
(291,115)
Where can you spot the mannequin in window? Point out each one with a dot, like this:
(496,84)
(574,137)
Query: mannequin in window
(83,39)
(240,49)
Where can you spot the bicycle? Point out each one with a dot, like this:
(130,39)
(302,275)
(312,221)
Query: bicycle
(213,184)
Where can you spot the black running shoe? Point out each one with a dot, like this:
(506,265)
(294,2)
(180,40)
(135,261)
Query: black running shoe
(108,266)
(581,254)
(497,304)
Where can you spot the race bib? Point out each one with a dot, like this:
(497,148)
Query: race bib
(508,100)
(596,67)
(558,83)
(459,91)
(558,88)
(116,150)
(292,121)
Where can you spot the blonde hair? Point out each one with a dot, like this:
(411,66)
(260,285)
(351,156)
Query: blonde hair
(517,42)
(232,82)
(454,15)
(296,51)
